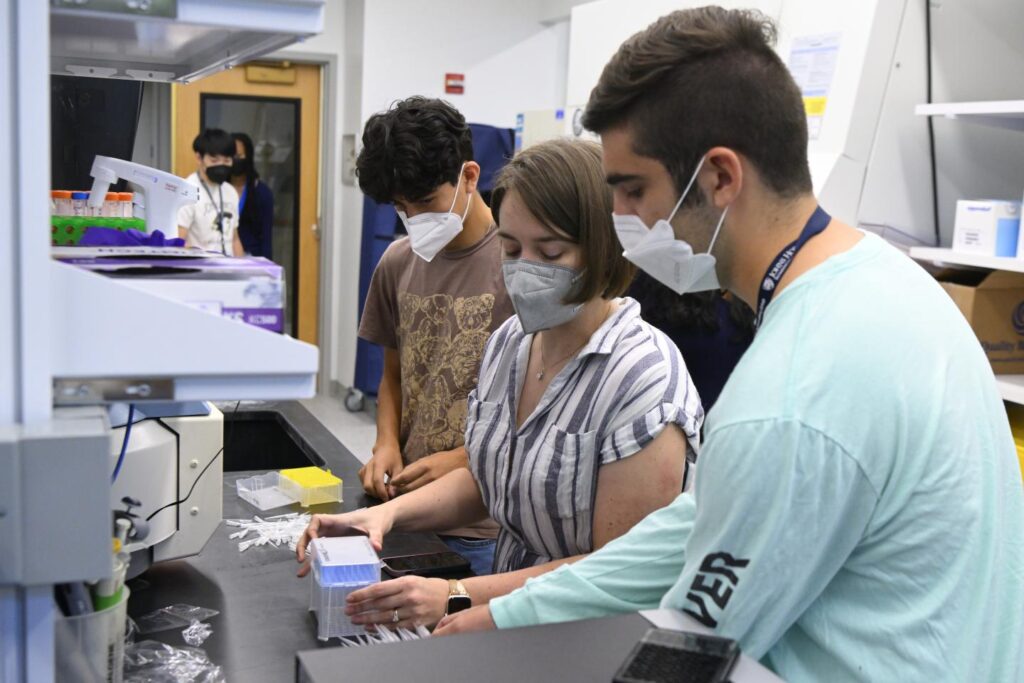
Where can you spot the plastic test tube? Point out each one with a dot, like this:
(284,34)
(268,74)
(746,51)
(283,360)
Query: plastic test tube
(78,201)
(107,592)
(111,205)
(61,202)
(125,200)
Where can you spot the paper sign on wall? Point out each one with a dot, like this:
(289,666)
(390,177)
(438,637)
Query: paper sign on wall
(812,61)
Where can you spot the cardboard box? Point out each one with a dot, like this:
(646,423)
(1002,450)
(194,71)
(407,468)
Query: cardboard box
(987,226)
(993,303)
(250,289)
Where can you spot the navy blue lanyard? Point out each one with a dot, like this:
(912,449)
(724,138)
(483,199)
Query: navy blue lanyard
(818,221)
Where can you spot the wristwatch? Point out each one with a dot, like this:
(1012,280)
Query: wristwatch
(458,597)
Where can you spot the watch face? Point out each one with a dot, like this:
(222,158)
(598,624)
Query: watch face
(457,603)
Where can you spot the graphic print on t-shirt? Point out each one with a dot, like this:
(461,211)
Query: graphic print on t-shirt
(718,576)
(442,341)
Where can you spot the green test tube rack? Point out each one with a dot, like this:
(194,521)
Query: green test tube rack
(68,230)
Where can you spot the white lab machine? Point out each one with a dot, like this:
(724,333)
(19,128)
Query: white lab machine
(157,194)
(73,338)
(172,477)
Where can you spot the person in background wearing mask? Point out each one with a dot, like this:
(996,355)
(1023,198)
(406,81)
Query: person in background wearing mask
(858,513)
(212,222)
(712,330)
(434,299)
(584,415)
(255,201)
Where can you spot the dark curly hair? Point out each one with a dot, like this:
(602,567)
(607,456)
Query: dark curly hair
(696,312)
(411,149)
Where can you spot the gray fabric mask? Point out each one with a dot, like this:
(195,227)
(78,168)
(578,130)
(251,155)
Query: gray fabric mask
(537,291)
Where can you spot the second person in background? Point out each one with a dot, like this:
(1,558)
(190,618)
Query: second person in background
(255,201)
(434,299)
(584,415)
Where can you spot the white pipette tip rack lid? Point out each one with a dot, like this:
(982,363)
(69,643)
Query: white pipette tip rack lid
(345,561)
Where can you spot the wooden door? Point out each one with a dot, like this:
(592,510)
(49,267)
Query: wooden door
(263,96)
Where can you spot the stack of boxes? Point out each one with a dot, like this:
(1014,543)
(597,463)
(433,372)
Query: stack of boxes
(992,301)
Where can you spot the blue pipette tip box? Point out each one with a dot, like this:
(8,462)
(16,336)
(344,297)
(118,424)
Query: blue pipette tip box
(341,565)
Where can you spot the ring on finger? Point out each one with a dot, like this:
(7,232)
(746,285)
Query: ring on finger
(394,617)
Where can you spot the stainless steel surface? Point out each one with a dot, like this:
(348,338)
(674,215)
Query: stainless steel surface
(84,392)
(152,8)
(104,38)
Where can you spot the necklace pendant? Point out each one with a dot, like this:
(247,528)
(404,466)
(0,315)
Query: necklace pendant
(540,375)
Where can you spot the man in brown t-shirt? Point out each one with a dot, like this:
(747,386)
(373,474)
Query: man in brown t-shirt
(434,299)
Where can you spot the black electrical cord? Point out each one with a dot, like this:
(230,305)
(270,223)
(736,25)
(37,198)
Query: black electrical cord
(931,123)
(227,440)
(179,502)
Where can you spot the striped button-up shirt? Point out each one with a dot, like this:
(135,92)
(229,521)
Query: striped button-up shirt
(539,481)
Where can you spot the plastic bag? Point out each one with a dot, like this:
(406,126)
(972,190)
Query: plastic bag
(173,617)
(152,662)
(197,633)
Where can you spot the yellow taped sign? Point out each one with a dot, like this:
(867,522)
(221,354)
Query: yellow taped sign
(815,106)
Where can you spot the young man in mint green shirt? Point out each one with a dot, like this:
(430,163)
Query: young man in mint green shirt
(858,511)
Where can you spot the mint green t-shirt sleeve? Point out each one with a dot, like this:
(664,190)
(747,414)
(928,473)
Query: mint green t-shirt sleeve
(782,506)
(628,574)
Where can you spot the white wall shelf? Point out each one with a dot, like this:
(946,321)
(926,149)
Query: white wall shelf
(1011,388)
(956,258)
(1001,114)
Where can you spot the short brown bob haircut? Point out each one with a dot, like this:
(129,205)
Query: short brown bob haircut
(701,78)
(562,185)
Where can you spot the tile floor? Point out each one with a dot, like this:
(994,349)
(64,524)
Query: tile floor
(357,431)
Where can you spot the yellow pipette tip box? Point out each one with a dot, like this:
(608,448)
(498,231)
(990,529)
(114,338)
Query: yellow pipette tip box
(311,485)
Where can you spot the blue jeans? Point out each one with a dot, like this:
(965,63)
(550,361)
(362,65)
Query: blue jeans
(479,552)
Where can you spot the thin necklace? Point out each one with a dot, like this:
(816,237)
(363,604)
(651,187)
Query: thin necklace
(544,365)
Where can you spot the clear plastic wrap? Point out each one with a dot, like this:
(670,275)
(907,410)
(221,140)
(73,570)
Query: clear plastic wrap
(197,633)
(173,617)
(152,662)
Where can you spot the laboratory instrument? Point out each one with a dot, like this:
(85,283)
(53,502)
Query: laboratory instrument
(157,194)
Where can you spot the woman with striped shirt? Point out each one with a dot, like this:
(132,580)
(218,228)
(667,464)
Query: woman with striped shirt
(584,417)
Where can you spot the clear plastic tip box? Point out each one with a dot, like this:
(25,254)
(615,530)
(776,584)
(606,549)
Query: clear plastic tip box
(304,485)
(340,566)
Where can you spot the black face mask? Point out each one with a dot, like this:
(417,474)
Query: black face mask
(242,167)
(218,174)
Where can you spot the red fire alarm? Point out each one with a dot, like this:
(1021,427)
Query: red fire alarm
(455,84)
